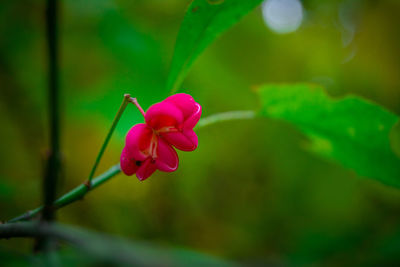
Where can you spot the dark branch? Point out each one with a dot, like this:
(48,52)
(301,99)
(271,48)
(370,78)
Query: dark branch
(53,163)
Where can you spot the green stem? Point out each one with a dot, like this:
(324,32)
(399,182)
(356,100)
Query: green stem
(125,102)
(226,116)
(75,194)
(80,191)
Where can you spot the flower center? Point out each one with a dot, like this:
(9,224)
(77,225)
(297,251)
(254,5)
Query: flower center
(153,145)
(167,129)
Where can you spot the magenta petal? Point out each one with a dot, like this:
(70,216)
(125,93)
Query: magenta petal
(184,102)
(147,168)
(191,121)
(190,109)
(162,115)
(128,164)
(185,140)
(167,159)
(138,141)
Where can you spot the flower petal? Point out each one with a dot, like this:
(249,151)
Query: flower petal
(191,121)
(190,109)
(138,141)
(147,168)
(185,140)
(167,158)
(184,102)
(128,164)
(163,114)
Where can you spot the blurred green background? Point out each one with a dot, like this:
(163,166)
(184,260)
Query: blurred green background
(250,192)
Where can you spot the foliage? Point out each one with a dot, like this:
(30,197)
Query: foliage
(395,138)
(204,21)
(350,130)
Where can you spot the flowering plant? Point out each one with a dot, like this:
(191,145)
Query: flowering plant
(168,124)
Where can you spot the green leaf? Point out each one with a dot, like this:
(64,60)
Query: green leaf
(353,131)
(203,22)
(395,138)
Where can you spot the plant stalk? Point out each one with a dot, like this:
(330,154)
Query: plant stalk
(80,191)
(53,163)
(127,99)
(75,194)
(226,116)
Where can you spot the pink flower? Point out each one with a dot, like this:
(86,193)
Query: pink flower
(149,146)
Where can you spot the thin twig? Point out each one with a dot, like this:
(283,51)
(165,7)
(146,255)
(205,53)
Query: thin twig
(125,102)
(75,194)
(80,191)
(226,116)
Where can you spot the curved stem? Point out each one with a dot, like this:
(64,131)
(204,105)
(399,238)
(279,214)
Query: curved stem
(226,116)
(75,194)
(80,191)
(136,103)
(125,102)
(104,250)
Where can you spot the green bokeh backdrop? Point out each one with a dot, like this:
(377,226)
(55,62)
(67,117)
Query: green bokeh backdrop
(250,192)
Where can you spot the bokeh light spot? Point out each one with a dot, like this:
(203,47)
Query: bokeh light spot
(282,16)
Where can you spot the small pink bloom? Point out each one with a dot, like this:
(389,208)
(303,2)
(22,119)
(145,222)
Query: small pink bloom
(148,146)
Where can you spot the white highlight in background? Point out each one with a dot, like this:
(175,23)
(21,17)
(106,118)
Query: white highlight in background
(282,16)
